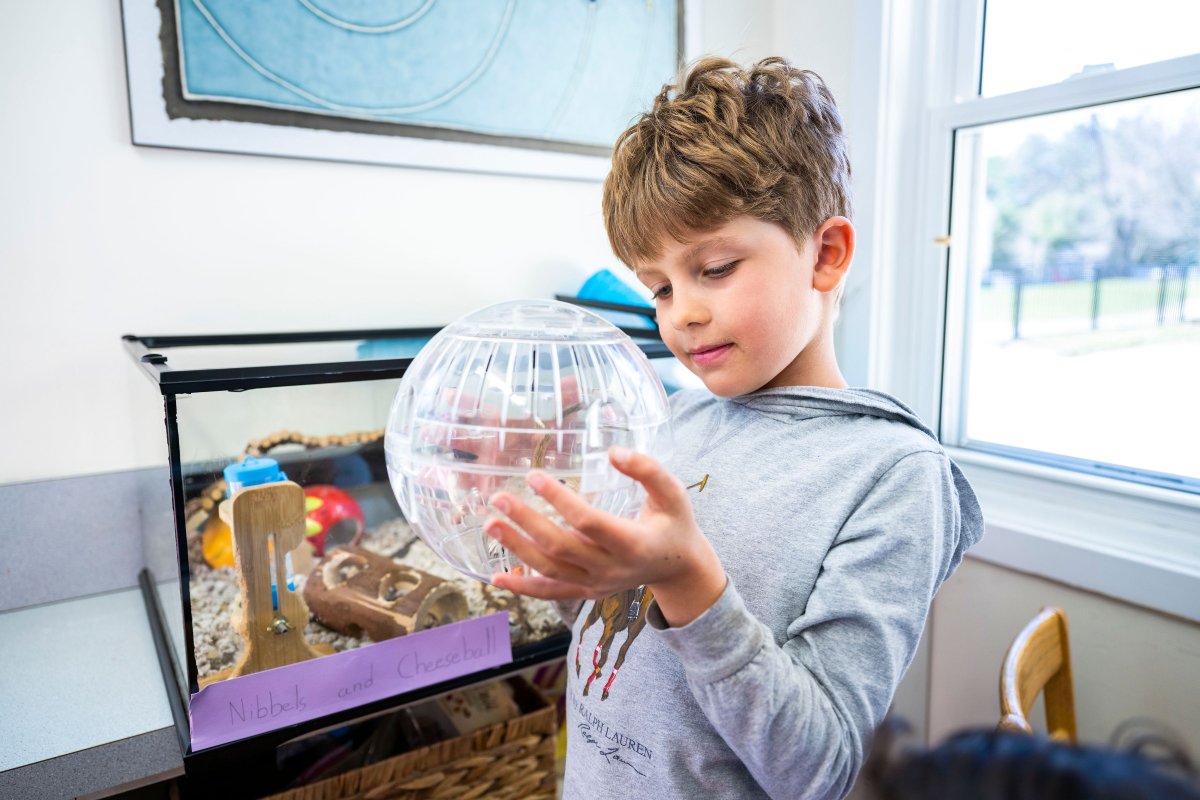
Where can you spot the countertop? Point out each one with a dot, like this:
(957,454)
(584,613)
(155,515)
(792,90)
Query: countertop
(83,708)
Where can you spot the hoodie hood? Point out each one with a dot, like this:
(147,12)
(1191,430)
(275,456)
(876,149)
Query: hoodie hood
(806,402)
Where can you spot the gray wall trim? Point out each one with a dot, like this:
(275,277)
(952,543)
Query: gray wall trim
(70,537)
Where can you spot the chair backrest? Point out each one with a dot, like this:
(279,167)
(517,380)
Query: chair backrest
(1039,661)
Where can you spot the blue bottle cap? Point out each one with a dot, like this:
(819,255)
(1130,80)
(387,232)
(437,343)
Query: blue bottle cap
(604,285)
(252,471)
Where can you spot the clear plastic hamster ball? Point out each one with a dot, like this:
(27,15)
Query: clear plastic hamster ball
(521,385)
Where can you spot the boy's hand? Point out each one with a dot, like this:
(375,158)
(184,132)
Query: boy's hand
(601,554)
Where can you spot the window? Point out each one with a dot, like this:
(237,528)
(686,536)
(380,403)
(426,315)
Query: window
(1072,334)
(1028,43)
(1028,202)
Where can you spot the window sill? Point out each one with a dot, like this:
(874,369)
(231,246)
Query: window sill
(1134,543)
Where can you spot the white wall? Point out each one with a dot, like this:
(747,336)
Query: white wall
(99,238)
(812,35)
(743,31)
(819,36)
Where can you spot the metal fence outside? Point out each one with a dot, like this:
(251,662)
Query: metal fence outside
(1110,299)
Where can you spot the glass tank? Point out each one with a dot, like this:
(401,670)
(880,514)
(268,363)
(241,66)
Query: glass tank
(527,384)
(250,577)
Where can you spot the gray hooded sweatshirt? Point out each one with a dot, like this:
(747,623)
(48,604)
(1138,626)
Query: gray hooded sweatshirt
(837,515)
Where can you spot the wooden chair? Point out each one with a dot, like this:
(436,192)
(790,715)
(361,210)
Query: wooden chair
(1039,661)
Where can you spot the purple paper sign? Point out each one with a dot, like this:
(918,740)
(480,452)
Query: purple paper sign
(275,698)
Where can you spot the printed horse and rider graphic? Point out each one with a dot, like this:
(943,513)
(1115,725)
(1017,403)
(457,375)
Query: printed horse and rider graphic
(624,611)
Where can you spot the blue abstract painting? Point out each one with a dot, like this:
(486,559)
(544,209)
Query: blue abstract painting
(555,71)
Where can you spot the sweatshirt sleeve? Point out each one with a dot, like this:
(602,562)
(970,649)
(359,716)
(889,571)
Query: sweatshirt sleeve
(800,714)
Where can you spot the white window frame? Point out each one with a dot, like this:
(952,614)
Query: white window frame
(915,83)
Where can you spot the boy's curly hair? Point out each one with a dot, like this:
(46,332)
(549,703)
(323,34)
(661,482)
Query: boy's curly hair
(725,141)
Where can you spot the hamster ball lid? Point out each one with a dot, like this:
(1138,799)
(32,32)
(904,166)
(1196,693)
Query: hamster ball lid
(542,320)
(529,363)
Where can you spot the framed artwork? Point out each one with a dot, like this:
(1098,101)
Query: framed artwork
(534,87)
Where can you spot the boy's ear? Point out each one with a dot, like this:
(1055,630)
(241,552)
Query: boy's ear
(834,243)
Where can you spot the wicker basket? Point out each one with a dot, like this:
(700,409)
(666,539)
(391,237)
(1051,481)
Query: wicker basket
(509,761)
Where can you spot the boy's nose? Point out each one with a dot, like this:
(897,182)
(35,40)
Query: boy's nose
(688,310)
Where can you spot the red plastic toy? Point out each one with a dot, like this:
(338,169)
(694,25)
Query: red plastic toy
(334,518)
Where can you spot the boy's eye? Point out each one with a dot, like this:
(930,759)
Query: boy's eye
(721,271)
(662,292)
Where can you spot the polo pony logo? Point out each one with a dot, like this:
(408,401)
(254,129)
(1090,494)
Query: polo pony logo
(624,611)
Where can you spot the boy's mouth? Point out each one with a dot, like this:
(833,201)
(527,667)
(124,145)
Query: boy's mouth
(704,356)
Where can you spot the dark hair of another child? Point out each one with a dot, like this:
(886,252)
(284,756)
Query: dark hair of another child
(998,765)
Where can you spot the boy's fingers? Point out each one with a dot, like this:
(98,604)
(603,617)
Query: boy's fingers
(661,485)
(530,553)
(540,586)
(570,391)
(597,527)
(550,537)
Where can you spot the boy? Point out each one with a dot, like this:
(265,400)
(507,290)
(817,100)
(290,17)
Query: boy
(786,574)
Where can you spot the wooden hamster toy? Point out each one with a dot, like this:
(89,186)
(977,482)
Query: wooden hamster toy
(267,523)
(356,591)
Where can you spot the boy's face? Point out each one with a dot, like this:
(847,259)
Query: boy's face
(744,308)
